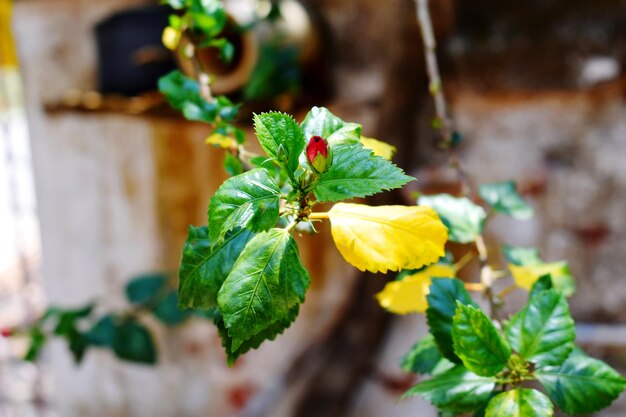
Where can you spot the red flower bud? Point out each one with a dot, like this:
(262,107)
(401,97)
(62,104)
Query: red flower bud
(318,154)
(6,332)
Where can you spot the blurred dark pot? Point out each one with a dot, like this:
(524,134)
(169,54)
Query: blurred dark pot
(131,57)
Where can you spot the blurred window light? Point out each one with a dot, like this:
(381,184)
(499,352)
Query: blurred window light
(598,69)
(20,293)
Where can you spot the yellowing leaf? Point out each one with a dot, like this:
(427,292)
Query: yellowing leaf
(221,141)
(525,276)
(171,38)
(409,294)
(385,238)
(380,148)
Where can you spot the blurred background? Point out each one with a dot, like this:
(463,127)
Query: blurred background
(100,179)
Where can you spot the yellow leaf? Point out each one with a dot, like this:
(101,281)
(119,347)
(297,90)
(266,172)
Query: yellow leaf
(171,38)
(526,276)
(409,294)
(221,141)
(385,238)
(380,148)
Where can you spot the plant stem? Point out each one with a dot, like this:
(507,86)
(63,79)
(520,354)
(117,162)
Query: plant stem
(467,257)
(203,78)
(291,226)
(486,275)
(446,128)
(320,215)
(474,286)
(508,290)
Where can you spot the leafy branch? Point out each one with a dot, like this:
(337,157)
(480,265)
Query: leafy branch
(479,363)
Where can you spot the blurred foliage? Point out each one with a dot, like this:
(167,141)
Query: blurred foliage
(125,332)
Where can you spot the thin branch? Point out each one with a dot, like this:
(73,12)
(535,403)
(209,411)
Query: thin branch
(446,128)
(204,80)
(435,86)
(432,68)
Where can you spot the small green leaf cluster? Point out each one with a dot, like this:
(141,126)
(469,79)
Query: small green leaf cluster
(476,366)
(245,265)
(122,332)
(203,21)
(183,94)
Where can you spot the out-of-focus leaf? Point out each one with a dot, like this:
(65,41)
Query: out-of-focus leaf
(463,218)
(380,148)
(409,294)
(133,342)
(146,288)
(503,197)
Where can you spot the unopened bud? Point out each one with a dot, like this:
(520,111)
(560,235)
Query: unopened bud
(319,154)
(171,38)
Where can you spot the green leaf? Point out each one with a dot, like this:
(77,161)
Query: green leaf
(67,327)
(255,341)
(175,4)
(357,172)
(321,122)
(463,218)
(348,134)
(227,112)
(208,16)
(103,332)
(145,288)
(232,165)
(280,138)
(458,390)
(37,342)
(267,281)
(503,197)
(477,342)
(520,402)
(183,94)
(442,299)
(249,200)
(167,311)
(582,384)
(543,283)
(67,319)
(521,256)
(543,332)
(78,344)
(203,269)
(133,342)
(423,358)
